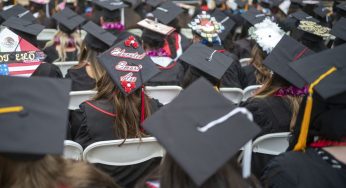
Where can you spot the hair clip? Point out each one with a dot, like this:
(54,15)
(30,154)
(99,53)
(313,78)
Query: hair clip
(131,41)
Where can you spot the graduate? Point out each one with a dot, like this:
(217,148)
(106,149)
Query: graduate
(88,71)
(120,105)
(318,143)
(66,44)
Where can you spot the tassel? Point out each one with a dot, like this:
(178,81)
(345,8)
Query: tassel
(11,109)
(142,107)
(301,144)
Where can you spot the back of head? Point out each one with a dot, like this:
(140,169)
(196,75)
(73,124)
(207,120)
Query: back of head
(152,39)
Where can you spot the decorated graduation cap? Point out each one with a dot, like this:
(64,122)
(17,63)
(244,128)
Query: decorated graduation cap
(314,29)
(27,127)
(267,34)
(17,11)
(225,20)
(167,12)
(112,9)
(128,65)
(204,136)
(156,27)
(68,20)
(24,28)
(206,59)
(325,72)
(253,16)
(207,27)
(17,56)
(286,52)
(97,38)
(339,31)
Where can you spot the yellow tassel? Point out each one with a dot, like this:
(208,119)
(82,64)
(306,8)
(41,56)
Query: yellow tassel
(216,88)
(301,144)
(11,109)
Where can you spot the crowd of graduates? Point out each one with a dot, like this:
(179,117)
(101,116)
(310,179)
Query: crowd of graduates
(294,49)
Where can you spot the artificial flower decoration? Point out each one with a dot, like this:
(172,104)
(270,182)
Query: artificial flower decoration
(267,34)
(314,28)
(128,86)
(131,41)
(207,27)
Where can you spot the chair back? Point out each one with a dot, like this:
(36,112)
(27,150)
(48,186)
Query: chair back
(250,91)
(46,34)
(165,94)
(72,150)
(77,97)
(233,94)
(272,144)
(64,66)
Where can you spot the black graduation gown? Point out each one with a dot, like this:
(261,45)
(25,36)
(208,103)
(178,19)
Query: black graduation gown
(309,169)
(250,73)
(52,55)
(48,70)
(272,114)
(80,79)
(234,76)
(242,48)
(171,75)
(96,124)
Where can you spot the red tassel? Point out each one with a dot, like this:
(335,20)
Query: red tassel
(142,107)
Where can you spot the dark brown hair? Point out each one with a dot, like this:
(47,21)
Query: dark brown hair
(262,73)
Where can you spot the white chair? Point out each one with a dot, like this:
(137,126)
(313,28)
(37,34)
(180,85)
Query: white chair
(249,91)
(137,32)
(72,150)
(271,144)
(244,61)
(64,66)
(46,34)
(165,94)
(187,32)
(77,97)
(233,94)
(133,151)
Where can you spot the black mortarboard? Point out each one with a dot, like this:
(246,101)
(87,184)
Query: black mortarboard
(342,7)
(154,3)
(111,8)
(68,20)
(128,65)
(241,3)
(315,29)
(286,52)
(17,11)
(201,130)
(301,15)
(253,16)
(167,12)
(339,29)
(33,115)
(225,20)
(24,28)
(207,60)
(322,11)
(312,67)
(133,3)
(97,38)
(271,3)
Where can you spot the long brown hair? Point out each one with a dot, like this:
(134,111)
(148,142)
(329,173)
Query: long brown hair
(262,73)
(271,86)
(127,108)
(45,172)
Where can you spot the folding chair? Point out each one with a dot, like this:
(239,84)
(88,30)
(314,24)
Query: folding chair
(272,144)
(46,34)
(244,61)
(133,151)
(73,150)
(165,94)
(77,97)
(64,66)
(249,91)
(233,94)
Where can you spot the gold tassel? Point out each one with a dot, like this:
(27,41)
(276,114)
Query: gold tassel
(11,109)
(301,144)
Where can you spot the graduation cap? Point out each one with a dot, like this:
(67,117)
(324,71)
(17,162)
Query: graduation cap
(97,38)
(325,72)
(133,3)
(202,138)
(24,28)
(339,29)
(33,115)
(17,11)
(111,8)
(314,29)
(322,11)
(68,20)
(241,3)
(206,59)
(225,20)
(167,12)
(128,65)
(154,3)
(271,3)
(341,7)
(286,52)
(301,15)
(253,16)
(156,27)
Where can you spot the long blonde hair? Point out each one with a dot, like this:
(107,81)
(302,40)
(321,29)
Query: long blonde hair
(271,86)
(262,73)
(64,39)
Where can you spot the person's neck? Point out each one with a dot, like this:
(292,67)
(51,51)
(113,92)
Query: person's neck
(339,152)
